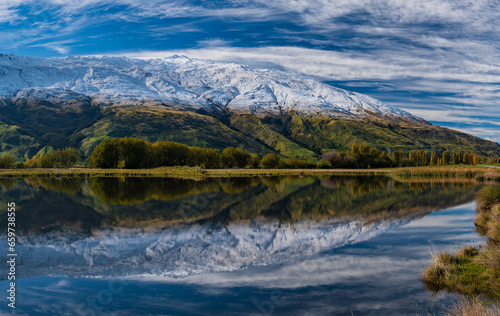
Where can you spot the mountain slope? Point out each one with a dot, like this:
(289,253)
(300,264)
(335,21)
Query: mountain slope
(289,135)
(47,104)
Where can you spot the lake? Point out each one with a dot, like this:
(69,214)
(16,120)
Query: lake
(257,245)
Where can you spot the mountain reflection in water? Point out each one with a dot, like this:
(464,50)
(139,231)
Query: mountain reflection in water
(176,227)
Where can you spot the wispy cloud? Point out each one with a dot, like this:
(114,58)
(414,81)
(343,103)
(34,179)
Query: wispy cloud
(427,54)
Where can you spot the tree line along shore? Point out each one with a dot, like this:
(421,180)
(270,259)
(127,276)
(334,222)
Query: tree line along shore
(135,153)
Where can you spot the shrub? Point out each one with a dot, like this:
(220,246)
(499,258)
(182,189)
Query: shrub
(311,163)
(58,159)
(323,164)
(295,163)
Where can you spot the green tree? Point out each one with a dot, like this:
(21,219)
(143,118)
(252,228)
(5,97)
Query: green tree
(7,161)
(271,161)
(364,150)
(374,153)
(204,157)
(413,157)
(425,158)
(106,155)
(59,159)
(235,157)
(136,153)
(355,149)
(167,153)
(311,163)
(323,164)
(254,161)
(397,158)
(434,159)
(446,157)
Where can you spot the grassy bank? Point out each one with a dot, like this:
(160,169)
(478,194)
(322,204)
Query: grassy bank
(473,271)
(452,171)
(409,173)
(182,172)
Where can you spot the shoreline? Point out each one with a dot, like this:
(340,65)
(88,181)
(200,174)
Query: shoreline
(480,173)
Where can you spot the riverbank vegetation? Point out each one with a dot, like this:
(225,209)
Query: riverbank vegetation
(137,157)
(135,153)
(413,174)
(473,271)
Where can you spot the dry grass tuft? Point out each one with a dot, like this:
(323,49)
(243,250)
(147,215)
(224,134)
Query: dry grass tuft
(472,307)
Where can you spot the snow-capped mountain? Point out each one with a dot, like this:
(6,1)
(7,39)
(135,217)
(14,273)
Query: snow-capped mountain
(181,82)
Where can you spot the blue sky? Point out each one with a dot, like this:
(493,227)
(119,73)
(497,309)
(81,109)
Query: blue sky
(438,59)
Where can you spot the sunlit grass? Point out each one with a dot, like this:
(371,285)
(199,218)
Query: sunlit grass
(402,174)
(472,307)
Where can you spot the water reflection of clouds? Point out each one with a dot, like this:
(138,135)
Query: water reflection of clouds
(405,247)
(382,272)
(372,277)
(320,266)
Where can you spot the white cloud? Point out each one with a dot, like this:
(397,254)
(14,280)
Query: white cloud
(8,12)
(59,46)
(427,48)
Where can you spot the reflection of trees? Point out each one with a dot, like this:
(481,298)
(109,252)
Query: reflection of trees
(126,191)
(239,185)
(362,185)
(43,211)
(272,181)
(144,201)
(7,183)
(260,202)
(60,185)
(371,197)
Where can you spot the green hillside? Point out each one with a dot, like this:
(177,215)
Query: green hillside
(29,129)
(161,123)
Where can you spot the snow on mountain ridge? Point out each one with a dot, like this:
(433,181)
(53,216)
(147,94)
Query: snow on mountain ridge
(185,82)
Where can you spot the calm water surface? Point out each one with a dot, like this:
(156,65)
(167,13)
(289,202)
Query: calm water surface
(258,246)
